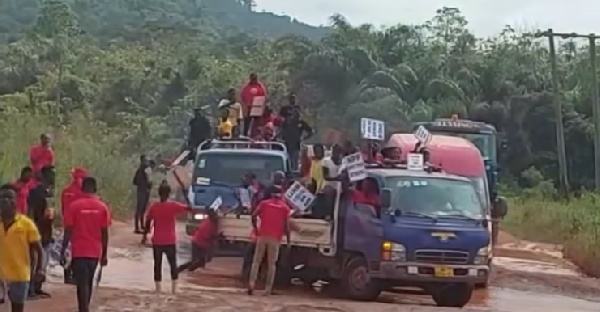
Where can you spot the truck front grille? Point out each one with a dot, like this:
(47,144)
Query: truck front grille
(441,256)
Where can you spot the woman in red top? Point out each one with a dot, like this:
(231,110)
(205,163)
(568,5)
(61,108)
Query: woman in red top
(252,89)
(202,242)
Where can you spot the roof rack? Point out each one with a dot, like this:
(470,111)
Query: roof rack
(402,165)
(241,143)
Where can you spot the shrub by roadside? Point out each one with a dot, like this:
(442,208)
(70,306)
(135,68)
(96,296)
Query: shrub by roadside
(82,143)
(574,224)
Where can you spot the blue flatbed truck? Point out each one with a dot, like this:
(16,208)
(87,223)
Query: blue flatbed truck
(431,231)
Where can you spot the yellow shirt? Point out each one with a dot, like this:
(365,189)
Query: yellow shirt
(235,113)
(15,260)
(225,128)
(316,173)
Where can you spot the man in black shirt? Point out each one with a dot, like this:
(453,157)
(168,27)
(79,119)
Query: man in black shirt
(41,214)
(199,129)
(287,109)
(291,132)
(143,185)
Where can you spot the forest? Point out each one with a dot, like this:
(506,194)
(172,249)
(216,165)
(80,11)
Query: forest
(111,80)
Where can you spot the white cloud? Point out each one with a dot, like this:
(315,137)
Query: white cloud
(486,17)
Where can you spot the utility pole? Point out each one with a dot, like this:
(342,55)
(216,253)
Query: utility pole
(560,132)
(595,102)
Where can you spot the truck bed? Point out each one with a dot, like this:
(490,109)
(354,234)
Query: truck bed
(313,232)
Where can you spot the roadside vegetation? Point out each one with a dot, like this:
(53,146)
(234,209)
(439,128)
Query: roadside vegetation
(111,81)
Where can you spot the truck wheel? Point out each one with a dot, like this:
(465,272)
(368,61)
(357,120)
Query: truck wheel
(455,295)
(356,282)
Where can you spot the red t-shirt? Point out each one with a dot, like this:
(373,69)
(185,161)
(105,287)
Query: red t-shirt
(22,194)
(249,91)
(87,216)
(371,199)
(40,157)
(273,214)
(203,237)
(68,195)
(164,215)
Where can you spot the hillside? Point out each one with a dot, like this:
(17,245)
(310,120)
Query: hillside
(109,19)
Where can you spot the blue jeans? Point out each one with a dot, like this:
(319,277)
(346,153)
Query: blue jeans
(294,155)
(17,291)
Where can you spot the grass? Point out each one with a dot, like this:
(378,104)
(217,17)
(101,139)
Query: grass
(82,143)
(574,224)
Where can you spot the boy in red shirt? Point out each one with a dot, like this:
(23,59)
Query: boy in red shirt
(164,240)
(202,242)
(86,228)
(22,187)
(274,214)
(41,155)
(69,194)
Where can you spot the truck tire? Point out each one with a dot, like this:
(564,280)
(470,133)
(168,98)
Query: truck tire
(454,295)
(356,283)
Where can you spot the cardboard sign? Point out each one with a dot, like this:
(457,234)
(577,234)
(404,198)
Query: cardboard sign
(372,129)
(423,135)
(355,165)
(415,162)
(258,106)
(217,203)
(299,196)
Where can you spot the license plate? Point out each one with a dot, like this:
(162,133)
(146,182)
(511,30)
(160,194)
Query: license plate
(443,271)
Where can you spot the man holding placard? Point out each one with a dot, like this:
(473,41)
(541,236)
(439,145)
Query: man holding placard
(253,97)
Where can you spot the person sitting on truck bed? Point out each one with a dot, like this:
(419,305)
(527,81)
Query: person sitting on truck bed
(332,180)
(366,192)
(316,169)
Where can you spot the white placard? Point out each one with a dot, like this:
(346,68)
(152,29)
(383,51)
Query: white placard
(299,196)
(245,198)
(415,161)
(423,135)
(217,203)
(372,129)
(355,165)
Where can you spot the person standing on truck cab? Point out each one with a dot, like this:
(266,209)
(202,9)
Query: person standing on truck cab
(274,214)
(163,215)
(199,129)
(236,113)
(292,131)
(143,185)
(286,110)
(254,88)
(225,127)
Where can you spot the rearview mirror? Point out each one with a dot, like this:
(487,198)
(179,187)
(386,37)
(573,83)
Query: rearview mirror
(499,208)
(386,198)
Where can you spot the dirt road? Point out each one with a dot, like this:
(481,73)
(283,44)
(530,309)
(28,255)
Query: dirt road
(528,277)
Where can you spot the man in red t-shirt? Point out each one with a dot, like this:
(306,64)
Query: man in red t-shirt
(274,214)
(86,224)
(41,155)
(164,240)
(202,242)
(22,187)
(69,194)
(254,88)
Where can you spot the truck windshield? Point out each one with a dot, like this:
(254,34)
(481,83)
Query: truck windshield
(435,197)
(229,168)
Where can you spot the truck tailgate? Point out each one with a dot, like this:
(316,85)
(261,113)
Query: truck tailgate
(313,232)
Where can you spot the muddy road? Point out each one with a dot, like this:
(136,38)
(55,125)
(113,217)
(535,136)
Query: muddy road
(528,277)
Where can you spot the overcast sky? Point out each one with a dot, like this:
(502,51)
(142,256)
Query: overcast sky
(486,17)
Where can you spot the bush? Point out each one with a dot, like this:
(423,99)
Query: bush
(82,143)
(574,224)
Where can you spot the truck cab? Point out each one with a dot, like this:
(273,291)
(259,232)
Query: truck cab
(429,232)
(218,169)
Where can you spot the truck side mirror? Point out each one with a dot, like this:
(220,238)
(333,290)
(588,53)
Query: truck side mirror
(499,208)
(386,198)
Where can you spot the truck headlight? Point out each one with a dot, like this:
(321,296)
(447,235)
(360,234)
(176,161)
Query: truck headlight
(482,256)
(393,251)
(199,216)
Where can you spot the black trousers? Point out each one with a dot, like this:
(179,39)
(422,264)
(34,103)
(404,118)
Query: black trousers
(198,260)
(171,252)
(142,198)
(84,270)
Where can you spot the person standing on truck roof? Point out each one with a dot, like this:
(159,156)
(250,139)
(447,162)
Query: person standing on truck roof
(163,215)
(143,185)
(234,108)
(41,155)
(86,227)
(203,241)
(292,131)
(254,88)
(199,129)
(20,245)
(43,216)
(225,127)
(274,214)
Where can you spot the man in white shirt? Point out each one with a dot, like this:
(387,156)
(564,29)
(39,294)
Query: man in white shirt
(333,180)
